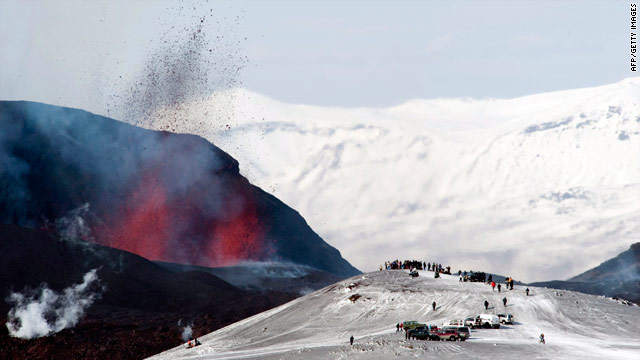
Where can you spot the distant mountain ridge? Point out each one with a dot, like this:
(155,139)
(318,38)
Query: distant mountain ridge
(164,196)
(625,266)
(618,277)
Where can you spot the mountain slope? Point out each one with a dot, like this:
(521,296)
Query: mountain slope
(618,277)
(368,307)
(506,183)
(164,196)
(625,266)
(133,298)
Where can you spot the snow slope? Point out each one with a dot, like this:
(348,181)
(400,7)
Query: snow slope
(505,183)
(318,326)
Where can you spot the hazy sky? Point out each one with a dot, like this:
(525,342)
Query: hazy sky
(88,53)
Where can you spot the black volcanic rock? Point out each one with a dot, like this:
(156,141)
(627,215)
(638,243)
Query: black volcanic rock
(33,257)
(618,277)
(164,196)
(140,305)
(279,277)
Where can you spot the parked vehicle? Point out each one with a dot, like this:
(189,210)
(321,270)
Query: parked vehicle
(472,322)
(417,328)
(477,277)
(457,322)
(443,334)
(489,321)
(463,331)
(505,318)
(420,333)
(408,325)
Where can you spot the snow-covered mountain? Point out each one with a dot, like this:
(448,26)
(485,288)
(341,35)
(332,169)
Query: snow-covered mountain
(368,307)
(538,187)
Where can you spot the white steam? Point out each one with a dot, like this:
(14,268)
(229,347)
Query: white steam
(74,226)
(48,312)
(187,332)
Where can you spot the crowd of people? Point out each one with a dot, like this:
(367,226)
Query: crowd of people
(415,265)
(407,264)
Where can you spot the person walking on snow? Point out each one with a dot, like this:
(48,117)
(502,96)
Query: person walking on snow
(397,327)
(434,305)
(493,286)
(486,305)
(351,340)
(527,291)
(499,287)
(542,338)
(504,301)
(460,278)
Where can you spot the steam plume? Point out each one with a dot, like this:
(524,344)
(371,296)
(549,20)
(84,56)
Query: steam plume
(48,312)
(187,331)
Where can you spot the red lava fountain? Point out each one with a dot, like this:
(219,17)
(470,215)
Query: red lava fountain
(238,238)
(153,225)
(141,225)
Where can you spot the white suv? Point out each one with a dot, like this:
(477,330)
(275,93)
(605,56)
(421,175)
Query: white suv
(506,318)
(489,321)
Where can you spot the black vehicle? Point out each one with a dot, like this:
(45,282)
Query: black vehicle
(477,277)
(421,333)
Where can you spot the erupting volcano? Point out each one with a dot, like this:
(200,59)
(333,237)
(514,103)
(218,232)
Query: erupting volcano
(169,197)
(153,224)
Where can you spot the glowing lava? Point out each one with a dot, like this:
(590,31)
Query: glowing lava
(237,238)
(143,224)
(157,226)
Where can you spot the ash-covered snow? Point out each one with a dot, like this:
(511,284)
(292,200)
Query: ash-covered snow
(318,326)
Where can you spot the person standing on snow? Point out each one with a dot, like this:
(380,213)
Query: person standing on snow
(351,339)
(504,301)
(486,305)
(499,286)
(397,327)
(527,291)
(542,338)
(434,305)
(493,286)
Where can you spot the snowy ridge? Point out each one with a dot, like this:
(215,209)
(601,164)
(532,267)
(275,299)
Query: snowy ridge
(318,326)
(505,183)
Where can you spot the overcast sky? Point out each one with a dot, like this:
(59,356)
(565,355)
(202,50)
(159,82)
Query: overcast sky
(81,53)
